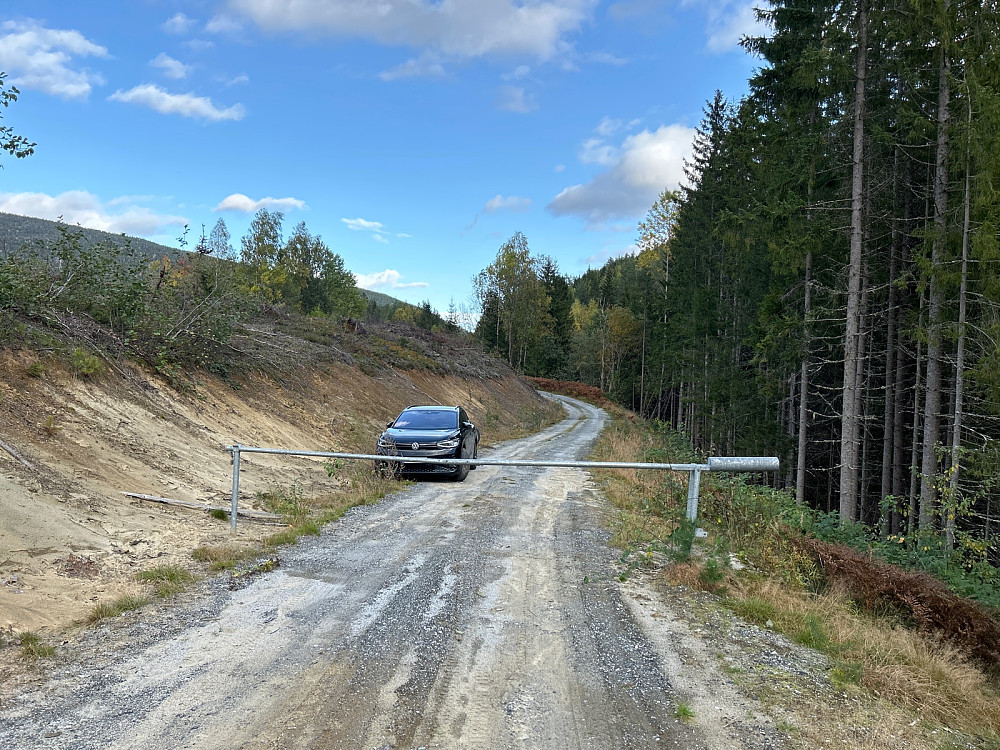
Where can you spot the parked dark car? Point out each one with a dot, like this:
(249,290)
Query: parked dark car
(429,432)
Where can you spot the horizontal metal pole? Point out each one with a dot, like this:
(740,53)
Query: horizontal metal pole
(743,464)
(511,462)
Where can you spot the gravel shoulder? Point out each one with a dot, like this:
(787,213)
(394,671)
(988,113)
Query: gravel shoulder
(486,614)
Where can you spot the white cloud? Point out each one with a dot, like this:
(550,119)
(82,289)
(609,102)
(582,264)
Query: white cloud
(237,80)
(387,279)
(645,164)
(727,26)
(461,29)
(363,225)
(198,45)
(513,203)
(241,202)
(513,99)
(427,66)
(728,21)
(186,105)
(378,231)
(606,58)
(119,215)
(597,151)
(608,126)
(559,168)
(224,24)
(521,71)
(171,68)
(178,24)
(39,58)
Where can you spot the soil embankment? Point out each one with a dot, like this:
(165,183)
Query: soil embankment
(69,537)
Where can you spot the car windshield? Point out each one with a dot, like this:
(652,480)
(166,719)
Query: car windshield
(427,419)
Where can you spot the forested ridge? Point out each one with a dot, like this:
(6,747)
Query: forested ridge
(824,287)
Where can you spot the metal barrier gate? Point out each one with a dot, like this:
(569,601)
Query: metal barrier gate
(731,464)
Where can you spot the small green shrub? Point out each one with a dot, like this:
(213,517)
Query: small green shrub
(813,634)
(115,607)
(219,514)
(684,712)
(712,573)
(292,535)
(36,369)
(224,557)
(754,608)
(33,648)
(288,503)
(84,364)
(168,579)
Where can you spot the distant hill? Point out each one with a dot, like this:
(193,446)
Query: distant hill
(381,300)
(16,231)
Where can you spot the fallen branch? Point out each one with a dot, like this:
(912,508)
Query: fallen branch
(255,514)
(15,454)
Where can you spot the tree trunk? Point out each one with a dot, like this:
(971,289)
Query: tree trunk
(849,414)
(932,397)
(889,397)
(800,467)
(912,520)
(956,434)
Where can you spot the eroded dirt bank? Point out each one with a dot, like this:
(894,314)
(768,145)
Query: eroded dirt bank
(69,538)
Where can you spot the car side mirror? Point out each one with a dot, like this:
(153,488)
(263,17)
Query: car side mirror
(468,424)
(389,424)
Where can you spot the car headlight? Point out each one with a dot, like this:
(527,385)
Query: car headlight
(384,441)
(449,443)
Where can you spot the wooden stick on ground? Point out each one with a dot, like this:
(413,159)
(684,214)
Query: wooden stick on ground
(256,514)
(10,449)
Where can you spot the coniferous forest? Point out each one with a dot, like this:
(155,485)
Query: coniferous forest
(825,286)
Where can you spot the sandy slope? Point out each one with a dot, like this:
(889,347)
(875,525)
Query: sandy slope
(69,538)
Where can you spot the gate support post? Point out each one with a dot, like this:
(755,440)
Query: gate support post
(694,484)
(235,450)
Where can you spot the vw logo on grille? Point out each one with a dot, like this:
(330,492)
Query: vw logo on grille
(415,446)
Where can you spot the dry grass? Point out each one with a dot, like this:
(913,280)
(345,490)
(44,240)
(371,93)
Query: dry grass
(117,606)
(168,580)
(223,557)
(870,653)
(907,668)
(647,501)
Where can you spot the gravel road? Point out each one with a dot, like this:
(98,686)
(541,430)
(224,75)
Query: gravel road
(485,614)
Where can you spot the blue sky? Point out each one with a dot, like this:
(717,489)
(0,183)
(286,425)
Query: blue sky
(414,136)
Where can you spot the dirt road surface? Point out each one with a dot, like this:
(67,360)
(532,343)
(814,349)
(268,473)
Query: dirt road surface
(485,614)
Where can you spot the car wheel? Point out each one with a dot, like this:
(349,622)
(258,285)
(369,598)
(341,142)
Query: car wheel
(463,470)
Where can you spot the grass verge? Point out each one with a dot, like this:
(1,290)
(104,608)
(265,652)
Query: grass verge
(117,606)
(872,648)
(167,580)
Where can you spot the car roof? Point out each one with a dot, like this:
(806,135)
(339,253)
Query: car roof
(431,408)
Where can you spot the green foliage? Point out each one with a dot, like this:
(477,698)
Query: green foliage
(116,607)
(293,534)
(176,312)
(684,712)
(167,579)
(85,364)
(16,145)
(288,503)
(33,648)
(302,273)
(224,557)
